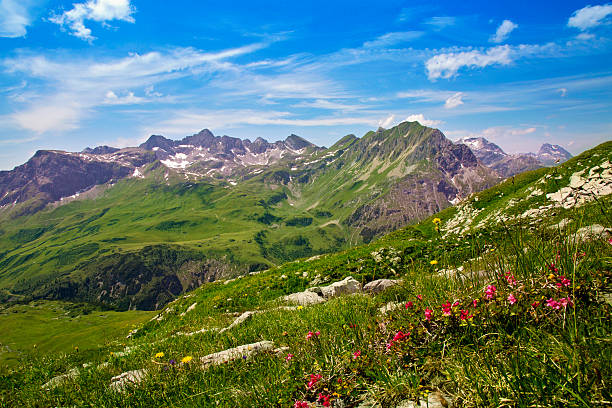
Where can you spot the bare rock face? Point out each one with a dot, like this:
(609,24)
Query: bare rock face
(121,382)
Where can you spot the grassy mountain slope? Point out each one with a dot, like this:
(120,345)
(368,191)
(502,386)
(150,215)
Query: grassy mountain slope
(494,311)
(140,242)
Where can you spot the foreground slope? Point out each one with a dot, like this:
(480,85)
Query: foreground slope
(505,307)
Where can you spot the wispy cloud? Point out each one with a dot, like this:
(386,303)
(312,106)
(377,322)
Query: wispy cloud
(441,22)
(590,16)
(454,101)
(14,18)
(73,87)
(394,38)
(503,31)
(96,10)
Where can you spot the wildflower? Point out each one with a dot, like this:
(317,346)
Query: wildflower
(324,399)
(159,355)
(289,357)
(356,354)
(535,304)
(314,378)
(420,297)
(285,334)
(172,362)
(300,404)
(186,359)
(446,309)
(511,299)
(436,221)
(409,305)
(553,304)
(475,302)
(510,279)
(300,307)
(553,268)
(433,262)
(565,302)
(456,303)
(465,315)
(400,336)
(428,314)
(317,333)
(309,335)
(564,282)
(610,241)
(490,291)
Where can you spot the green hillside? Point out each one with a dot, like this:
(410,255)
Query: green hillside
(503,301)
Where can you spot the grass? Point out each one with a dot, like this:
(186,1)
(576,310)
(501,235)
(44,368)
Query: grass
(501,354)
(51,327)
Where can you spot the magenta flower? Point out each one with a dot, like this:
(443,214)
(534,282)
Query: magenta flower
(409,305)
(553,304)
(535,304)
(475,302)
(289,357)
(314,378)
(428,314)
(300,404)
(565,302)
(465,315)
(356,354)
(420,297)
(446,309)
(310,334)
(490,292)
(564,281)
(511,299)
(510,279)
(324,399)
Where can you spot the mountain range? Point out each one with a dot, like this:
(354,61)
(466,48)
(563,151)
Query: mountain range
(507,165)
(133,228)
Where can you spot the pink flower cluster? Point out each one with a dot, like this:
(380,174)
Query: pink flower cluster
(558,304)
(324,400)
(356,354)
(400,335)
(465,314)
(564,282)
(510,278)
(490,292)
(446,309)
(428,314)
(310,334)
(511,299)
(301,404)
(314,378)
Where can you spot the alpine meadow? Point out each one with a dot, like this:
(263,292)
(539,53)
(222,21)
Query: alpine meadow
(176,232)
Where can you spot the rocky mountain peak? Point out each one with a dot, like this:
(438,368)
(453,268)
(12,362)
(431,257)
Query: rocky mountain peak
(550,154)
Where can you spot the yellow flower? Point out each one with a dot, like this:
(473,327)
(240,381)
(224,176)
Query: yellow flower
(434,262)
(300,307)
(186,359)
(159,355)
(436,221)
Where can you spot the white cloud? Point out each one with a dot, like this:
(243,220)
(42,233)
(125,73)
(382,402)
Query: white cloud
(503,31)
(14,18)
(96,10)
(421,119)
(59,114)
(390,39)
(589,17)
(454,101)
(447,65)
(385,123)
(510,139)
(563,92)
(128,99)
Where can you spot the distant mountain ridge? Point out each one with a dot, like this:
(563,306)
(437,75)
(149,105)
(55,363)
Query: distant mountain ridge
(507,165)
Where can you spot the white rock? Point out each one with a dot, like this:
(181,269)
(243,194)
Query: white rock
(346,286)
(304,298)
(60,379)
(389,307)
(244,351)
(576,181)
(122,381)
(240,319)
(189,309)
(379,285)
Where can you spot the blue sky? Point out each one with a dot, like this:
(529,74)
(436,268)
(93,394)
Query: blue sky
(90,72)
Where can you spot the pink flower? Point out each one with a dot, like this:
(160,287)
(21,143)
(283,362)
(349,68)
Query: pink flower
(490,292)
(446,309)
(510,279)
(610,241)
(428,314)
(289,357)
(565,302)
(400,336)
(553,303)
(475,302)
(356,354)
(324,399)
(511,299)
(564,281)
(535,304)
(465,315)
(314,378)
(310,334)
(553,268)
(409,304)
(300,404)
(420,297)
